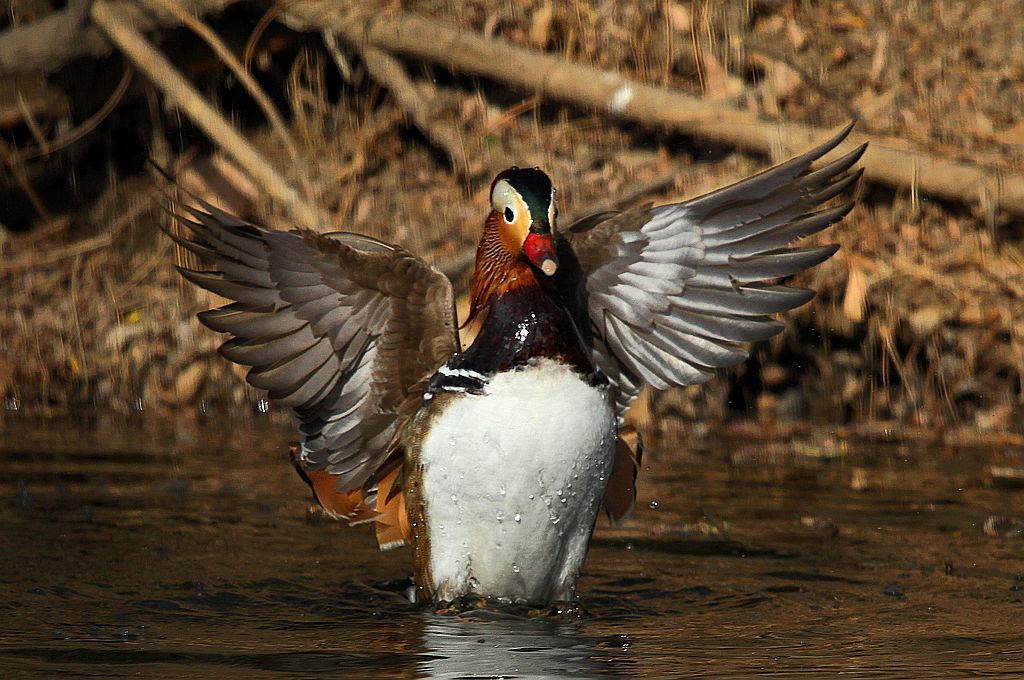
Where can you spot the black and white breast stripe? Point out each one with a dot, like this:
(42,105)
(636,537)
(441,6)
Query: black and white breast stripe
(449,379)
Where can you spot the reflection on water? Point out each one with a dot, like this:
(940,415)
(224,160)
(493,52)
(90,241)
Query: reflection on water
(486,644)
(172,549)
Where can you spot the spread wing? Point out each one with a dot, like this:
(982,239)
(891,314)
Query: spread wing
(342,328)
(674,291)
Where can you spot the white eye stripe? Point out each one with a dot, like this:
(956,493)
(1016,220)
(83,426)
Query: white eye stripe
(504,196)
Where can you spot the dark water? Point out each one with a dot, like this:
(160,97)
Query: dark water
(160,549)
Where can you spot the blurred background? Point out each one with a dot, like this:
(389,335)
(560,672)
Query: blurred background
(847,501)
(386,121)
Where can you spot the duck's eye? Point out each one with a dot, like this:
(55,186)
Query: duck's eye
(510,216)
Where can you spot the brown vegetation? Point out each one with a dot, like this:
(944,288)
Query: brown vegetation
(918,321)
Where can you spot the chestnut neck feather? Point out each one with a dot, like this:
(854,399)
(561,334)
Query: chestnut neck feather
(500,267)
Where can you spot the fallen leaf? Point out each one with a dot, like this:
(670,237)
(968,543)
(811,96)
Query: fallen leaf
(846,21)
(189,381)
(854,301)
(877,108)
(1012,135)
(679,17)
(540,25)
(719,84)
(927,320)
(878,60)
(797,36)
(784,79)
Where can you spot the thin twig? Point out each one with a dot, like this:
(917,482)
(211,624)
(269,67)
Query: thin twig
(340,60)
(55,255)
(79,248)
(250,46)
(30,121)
(182,94)
(512,113)
(388,71)
(631,194)
(9,158)
(76,268)
(88,125)
(814,83)
(888,160)
(245,78)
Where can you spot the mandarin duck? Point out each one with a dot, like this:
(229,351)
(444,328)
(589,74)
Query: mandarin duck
(494,461)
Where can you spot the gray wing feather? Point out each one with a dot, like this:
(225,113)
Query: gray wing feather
(340,327)
(673,291)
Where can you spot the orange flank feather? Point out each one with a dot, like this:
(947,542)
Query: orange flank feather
(393,528)
(382,503)
(620,495)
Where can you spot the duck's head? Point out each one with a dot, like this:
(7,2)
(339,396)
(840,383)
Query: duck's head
(523,213)
(518,244)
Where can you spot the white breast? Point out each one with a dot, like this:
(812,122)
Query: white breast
(512,482)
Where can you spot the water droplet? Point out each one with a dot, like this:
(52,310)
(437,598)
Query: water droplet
(455,499)
(653,505)
(502,490)
(531,496)
(564,500)
(473,582)
(555,519)
(515,568)
(558,492)
(501,516)
(518,517)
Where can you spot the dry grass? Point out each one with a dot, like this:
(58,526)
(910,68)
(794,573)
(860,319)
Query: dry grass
(919,317)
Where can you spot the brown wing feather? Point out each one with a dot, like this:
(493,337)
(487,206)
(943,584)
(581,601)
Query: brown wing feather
(675,291)
(342,328)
